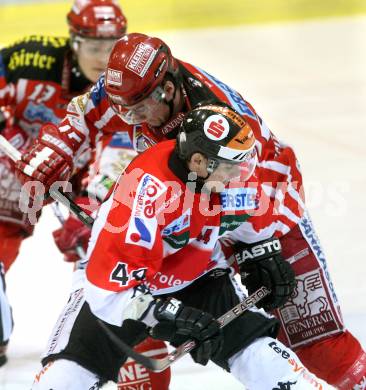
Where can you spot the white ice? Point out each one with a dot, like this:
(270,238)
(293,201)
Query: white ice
(308,81)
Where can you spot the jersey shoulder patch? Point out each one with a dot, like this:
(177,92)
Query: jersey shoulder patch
(143,224)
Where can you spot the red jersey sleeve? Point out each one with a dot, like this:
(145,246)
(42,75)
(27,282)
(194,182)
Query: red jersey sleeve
(126,244)
(89,120)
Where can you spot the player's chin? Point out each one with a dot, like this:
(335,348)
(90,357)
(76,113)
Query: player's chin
(94,74)
(155,122)
(214,186)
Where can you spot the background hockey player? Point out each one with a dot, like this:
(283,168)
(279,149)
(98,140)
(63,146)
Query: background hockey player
(146,91)
(165,218)
(38,77)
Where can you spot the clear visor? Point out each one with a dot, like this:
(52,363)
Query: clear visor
(133,115)
(228,170)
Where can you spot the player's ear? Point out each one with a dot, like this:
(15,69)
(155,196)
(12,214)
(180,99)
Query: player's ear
(198,163)
(169,89)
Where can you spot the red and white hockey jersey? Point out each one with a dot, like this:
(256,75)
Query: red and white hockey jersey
(38,77)
(157,226)
(274,192)
(91,119)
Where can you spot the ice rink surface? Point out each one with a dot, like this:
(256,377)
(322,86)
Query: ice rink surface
(308,82)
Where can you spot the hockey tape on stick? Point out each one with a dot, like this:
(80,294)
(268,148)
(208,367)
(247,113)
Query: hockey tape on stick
(61,218)
(67,201)
(158,365)
(58,213)
(7,148)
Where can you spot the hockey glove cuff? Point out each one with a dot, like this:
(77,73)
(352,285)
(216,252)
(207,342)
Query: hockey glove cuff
(177,323)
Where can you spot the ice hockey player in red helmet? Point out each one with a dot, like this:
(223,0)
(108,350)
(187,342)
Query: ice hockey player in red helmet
(38,76)
(146,63)
(168,88)
(94,26)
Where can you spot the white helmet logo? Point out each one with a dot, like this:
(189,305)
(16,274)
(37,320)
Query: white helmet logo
(114,77)
(216,127)
(141,59)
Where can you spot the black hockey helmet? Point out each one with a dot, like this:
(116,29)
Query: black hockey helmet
(220,134)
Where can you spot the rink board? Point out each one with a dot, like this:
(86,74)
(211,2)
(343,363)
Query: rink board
(46,17)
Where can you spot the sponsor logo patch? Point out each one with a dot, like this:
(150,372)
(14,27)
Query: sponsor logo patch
(114,77)
(216,127)
(141,141)
(141,59)
(239,199)
(178,225)
(104,12)
(40,113)
(107,29)
(143,225)
(284,385)
(312,238)
(296,367)
(37,60)
(308,314)
(121,139)
(235,99)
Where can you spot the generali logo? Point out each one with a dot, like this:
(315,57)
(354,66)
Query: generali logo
(114,77)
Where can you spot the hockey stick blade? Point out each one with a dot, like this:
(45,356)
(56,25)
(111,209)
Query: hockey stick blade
(158,365)
(126,349)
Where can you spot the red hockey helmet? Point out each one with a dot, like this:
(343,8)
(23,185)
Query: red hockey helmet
(97,19)
(137,65)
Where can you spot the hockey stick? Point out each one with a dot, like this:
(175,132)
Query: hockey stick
(57,194)
(67,201)
(158,365)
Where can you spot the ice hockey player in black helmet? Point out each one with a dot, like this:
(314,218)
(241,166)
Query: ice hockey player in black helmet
(175,238)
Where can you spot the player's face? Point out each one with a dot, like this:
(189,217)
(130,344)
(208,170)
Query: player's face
(149,111)
(218,178)
(153,110)
(92,55)
(221,177)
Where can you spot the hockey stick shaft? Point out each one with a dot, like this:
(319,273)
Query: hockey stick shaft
(67,201)
(158,365)
(7,148)
(56,210)
(57,194)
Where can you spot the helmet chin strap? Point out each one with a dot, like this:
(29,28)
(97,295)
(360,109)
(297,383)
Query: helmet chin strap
(205,178)
(170,104)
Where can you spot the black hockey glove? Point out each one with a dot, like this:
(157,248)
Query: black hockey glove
(178,323)
(261,264)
